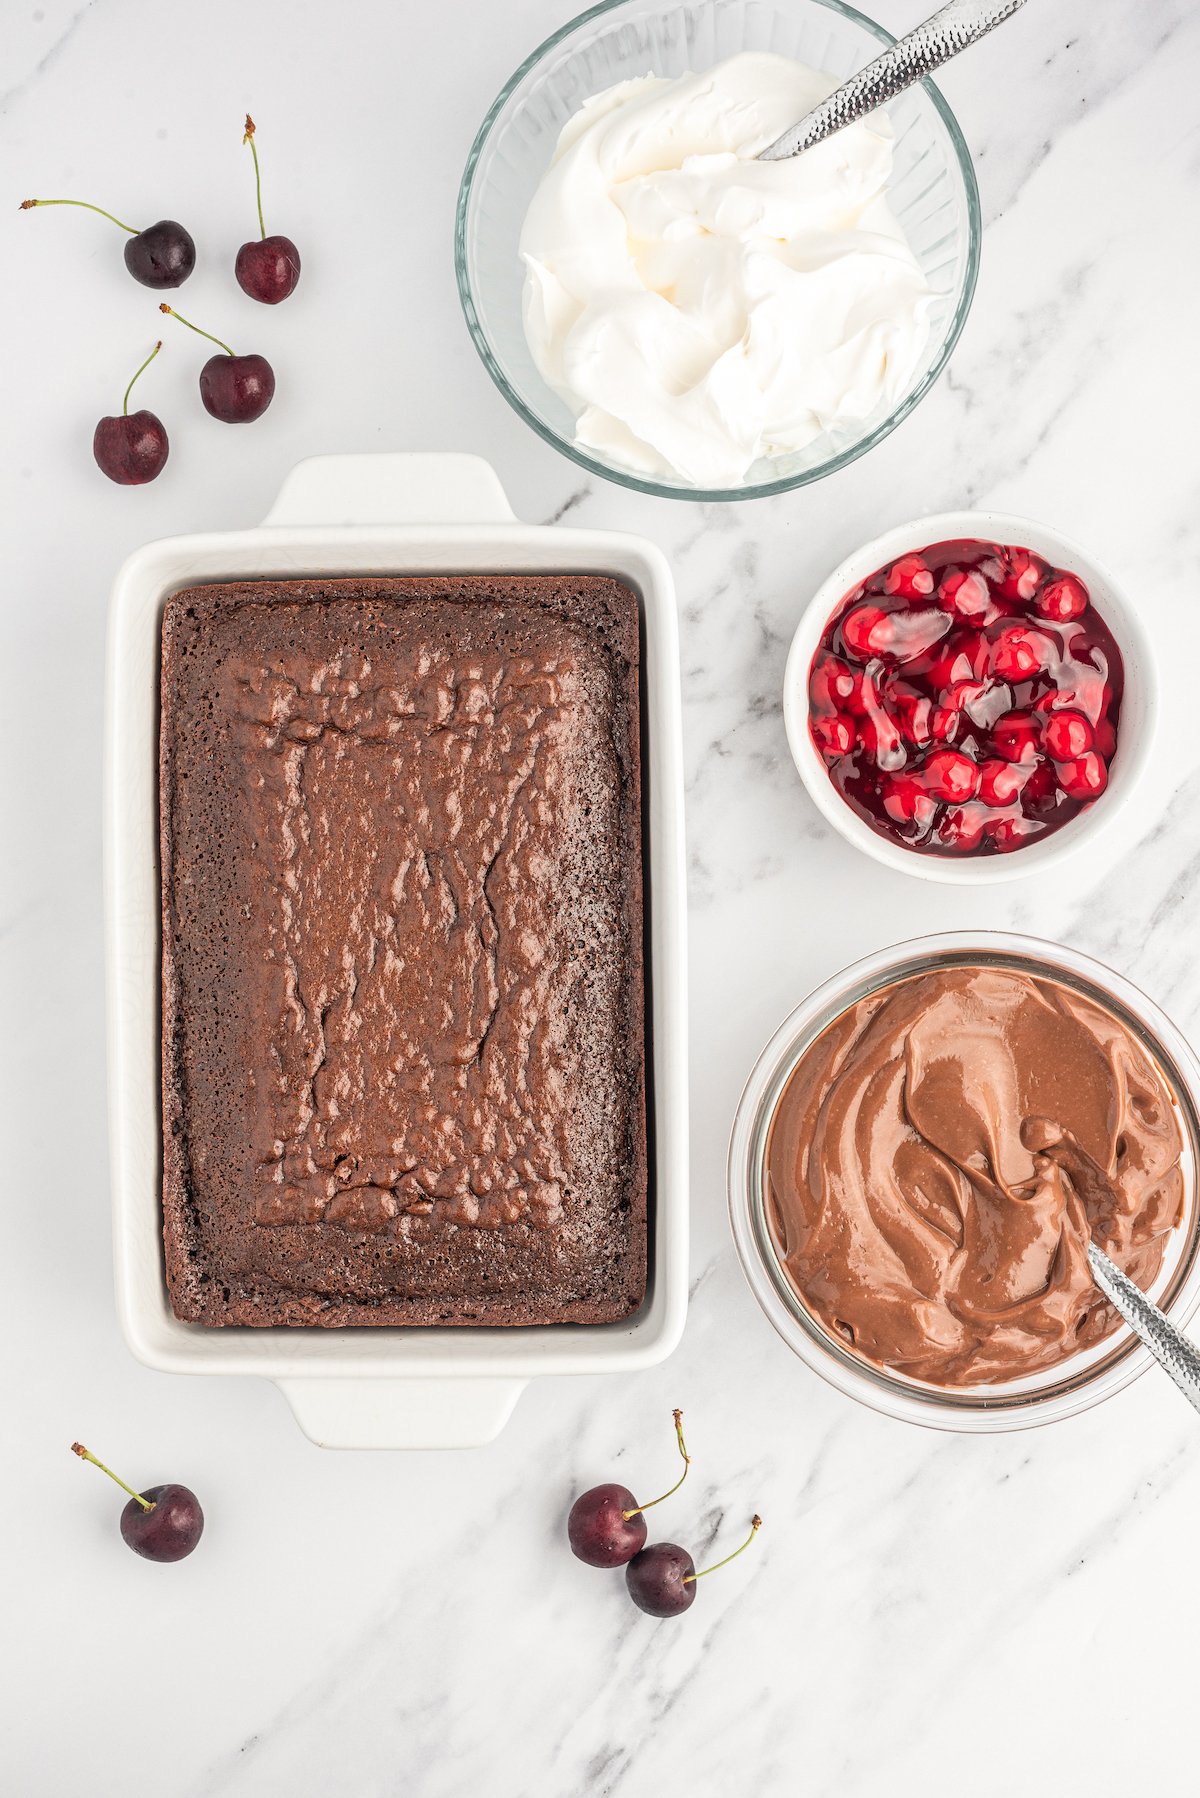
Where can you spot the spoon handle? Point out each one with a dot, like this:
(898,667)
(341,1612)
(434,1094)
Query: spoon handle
(927,47)
(1168,1345)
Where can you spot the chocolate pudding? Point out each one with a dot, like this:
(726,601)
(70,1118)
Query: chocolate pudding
(941,1155)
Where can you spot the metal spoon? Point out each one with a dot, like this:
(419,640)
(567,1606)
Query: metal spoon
(927,47)
(1169,1346)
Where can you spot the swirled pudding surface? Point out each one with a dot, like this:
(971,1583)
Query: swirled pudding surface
(941,1155)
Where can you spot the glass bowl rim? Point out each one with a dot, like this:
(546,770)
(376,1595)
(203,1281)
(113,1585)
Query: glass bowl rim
(878,1387)
(714,495)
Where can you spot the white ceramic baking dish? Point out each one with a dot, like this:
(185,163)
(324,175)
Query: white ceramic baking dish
(380,514)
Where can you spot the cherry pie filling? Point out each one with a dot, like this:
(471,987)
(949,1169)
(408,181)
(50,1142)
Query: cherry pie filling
(966,699)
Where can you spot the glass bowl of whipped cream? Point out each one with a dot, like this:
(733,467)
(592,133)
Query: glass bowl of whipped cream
(921,1154)
(677,315)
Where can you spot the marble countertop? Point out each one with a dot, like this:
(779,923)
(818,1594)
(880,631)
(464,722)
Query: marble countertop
(923,1614)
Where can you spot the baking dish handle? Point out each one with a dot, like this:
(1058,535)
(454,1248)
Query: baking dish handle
(397,487)
(415,1413)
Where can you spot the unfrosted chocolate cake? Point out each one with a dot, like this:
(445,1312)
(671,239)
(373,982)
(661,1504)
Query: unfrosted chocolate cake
(403,1009)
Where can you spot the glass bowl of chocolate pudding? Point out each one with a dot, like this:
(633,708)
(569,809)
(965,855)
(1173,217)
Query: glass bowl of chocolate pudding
(923,1151)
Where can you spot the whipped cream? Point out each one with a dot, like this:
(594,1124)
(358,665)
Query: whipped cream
(698,309)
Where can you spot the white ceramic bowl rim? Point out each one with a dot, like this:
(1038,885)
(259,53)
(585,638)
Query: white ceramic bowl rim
(1074,1385)
(1139,710)
(678,490)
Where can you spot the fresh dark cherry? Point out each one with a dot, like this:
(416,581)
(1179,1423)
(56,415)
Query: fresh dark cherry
(169,1530)
(131,447)
(661,1579)
(966,699)
(163,255)
(164,1523)
(1068,734)
(267,268)
(606,1526)
(235,389)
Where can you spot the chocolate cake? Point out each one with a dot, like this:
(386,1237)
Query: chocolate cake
(403,1012)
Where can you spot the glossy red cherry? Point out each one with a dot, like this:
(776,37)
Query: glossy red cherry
(1068,734)
(1016,656)
(606,1526)
(906,801)
(1062,599)
(961,829)
(910,578)
(235,389)
(661,1580)
(895,636)
(833,684)
(965,591)
(914,714)
(880,738)
(906,635)
(131,448)
(864,699)
(1015,737)
(944,723)
(163,255)
(1008,833)
(1106,739)
(858,628)
(962,658)
(951,775)
(1040,790)
(836,734)
(1000,783)
(1084,778)
(164,1523)
(1019,575)
(267,268)
(966,695)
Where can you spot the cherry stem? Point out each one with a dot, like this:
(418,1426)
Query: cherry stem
(85,1454)
(687,1461)
(171,313)
(249,139)
(132,229)
(755,1526)
(144,367)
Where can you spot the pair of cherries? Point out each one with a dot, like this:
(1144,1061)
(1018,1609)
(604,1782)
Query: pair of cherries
(607,1527)
(132,448)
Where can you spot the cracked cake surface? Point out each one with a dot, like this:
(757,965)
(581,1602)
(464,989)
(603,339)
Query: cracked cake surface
(403,1008)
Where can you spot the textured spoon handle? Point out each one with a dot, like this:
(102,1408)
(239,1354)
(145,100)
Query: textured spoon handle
(928,47)
(1167,1344)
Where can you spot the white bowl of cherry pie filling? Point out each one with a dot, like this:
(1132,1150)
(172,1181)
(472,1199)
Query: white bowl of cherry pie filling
(970,696)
